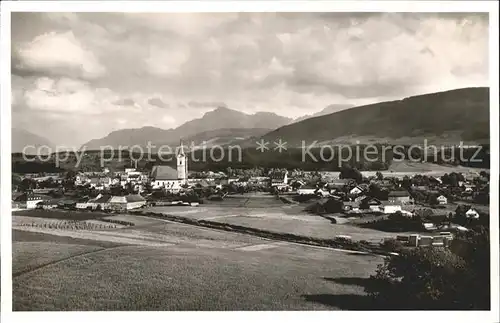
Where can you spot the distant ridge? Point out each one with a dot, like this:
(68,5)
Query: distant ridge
(441,117)
(213,124)
(332,108)
(22,138)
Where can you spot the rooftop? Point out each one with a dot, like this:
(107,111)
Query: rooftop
(163,172)
(399,194)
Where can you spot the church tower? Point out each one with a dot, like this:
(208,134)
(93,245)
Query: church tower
(182,170)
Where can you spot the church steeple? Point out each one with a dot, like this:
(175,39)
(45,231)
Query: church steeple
(181,149)
(182,171)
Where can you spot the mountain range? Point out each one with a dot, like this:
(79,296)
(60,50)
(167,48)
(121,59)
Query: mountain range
(332,108)
(213,124)
(22,139)
(442,117)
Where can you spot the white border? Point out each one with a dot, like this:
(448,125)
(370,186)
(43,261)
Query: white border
(247,6)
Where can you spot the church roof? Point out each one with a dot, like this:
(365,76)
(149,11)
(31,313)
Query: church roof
(163,172)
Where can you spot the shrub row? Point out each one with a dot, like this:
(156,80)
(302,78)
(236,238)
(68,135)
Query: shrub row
(120,222)
(70,225)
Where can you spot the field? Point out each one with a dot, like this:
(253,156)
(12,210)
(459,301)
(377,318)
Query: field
(265,212)
(399,169)
(161,265)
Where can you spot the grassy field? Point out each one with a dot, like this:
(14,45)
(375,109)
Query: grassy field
(276,217)
(161,265)
(32,255)
(400,169)
(196,269)
(137,278)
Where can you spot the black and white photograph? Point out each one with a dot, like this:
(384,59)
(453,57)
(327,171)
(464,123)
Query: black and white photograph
(250,160)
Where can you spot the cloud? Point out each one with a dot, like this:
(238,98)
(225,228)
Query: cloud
(194,104)
(157,102)
(164,69)
(57,54)
(164,61)
(125,102)
(65,96)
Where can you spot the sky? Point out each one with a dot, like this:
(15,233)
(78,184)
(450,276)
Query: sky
(79,76)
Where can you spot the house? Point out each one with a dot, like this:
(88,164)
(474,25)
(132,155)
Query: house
(385,183)
(259,180)
(472,214)
(391,209)
(357,190)
(134,178)
(401,197)
(67,204)
(100,202)
(369,203)
(100,183)
(128,202)
(341,184)
(46,205)
(442,200)
(28,200)
(468,187)
(279,179)
(81,179)
(307,190)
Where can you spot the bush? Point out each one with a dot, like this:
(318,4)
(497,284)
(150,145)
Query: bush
(392,245)
(435,277)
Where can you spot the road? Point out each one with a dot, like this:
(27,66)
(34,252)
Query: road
(160,265)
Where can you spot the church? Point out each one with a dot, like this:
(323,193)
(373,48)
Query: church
(163,176)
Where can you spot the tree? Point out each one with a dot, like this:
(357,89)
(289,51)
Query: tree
(455,278)
(347,172)
(484,174)
(296,185)
(406,182)
(27,184)
(432,199)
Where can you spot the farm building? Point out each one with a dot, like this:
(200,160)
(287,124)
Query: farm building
(279,179)
(369,202)
(341,184)
(100,183)
(28,200)
(359,189)
(401,197)
(442,200)
(109,202)
(307,190)
(472,214)
(390,209)
(100,202)
(128,202)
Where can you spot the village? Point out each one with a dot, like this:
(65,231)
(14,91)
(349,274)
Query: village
(396,202)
